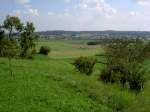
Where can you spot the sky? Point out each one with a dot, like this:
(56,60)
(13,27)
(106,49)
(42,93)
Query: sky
(80,15)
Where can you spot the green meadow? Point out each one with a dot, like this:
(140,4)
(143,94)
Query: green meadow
(70,48)
(52,84)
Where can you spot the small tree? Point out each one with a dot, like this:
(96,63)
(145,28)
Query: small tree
(13,25)
(9,47)
(27,40)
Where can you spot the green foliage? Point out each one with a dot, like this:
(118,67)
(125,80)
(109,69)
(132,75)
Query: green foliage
(27,40)
(85,64)
(7,48)
(138,77)
(44,50)
(10,46)
(125,62)
(1,33)
(92,43)
(2,42)
(13,25)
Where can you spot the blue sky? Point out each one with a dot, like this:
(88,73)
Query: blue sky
(80,14)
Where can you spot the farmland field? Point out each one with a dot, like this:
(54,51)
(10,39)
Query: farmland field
(52,84)
(70,48)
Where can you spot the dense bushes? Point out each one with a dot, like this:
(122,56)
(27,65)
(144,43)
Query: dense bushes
(125,63)
(85,64)
(44,50)
(117,74)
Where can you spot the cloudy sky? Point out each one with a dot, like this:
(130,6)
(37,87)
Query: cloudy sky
(80,14)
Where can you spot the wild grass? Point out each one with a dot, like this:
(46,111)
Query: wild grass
(49,84)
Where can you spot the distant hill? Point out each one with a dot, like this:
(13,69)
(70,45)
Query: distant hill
(59,34)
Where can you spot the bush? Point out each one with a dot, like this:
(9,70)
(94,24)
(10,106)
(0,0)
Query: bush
(8,48)
(135,79)
(44,50)
(92,43)
(105,75)
(138,78)
(85,64)
(125,63)
(117,74)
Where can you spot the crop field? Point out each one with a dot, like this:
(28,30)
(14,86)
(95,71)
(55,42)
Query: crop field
(52,84)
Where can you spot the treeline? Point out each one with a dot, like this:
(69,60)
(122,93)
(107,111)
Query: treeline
(16,38)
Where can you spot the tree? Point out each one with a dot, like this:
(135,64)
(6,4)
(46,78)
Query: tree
(9,45)
(13,25)
(1,33)
(27,39)
(1,41)
(125,58)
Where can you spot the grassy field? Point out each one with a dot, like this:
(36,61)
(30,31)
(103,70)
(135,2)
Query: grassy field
(70,49)
(51,84)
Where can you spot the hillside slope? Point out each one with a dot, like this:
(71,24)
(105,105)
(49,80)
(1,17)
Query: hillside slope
(51,84)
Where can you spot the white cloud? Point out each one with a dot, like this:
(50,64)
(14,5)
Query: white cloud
(22,1)
(66,13)
(33,12)
(100,6)
(143,2)
(86,15)
(134,13)
(50,13)
(91,15)
(28,8)
(67,1)
(16,13)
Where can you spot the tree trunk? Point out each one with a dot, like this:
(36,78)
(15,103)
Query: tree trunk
(10,67)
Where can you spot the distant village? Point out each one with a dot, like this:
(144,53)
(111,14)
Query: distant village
(71,35)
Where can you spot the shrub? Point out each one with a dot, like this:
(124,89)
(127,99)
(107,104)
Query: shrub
(44,50)
(135,79)
(85,64)
(125,63)
(8,48)
(105,75)
(92,43)
(117,74)
(138,78)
